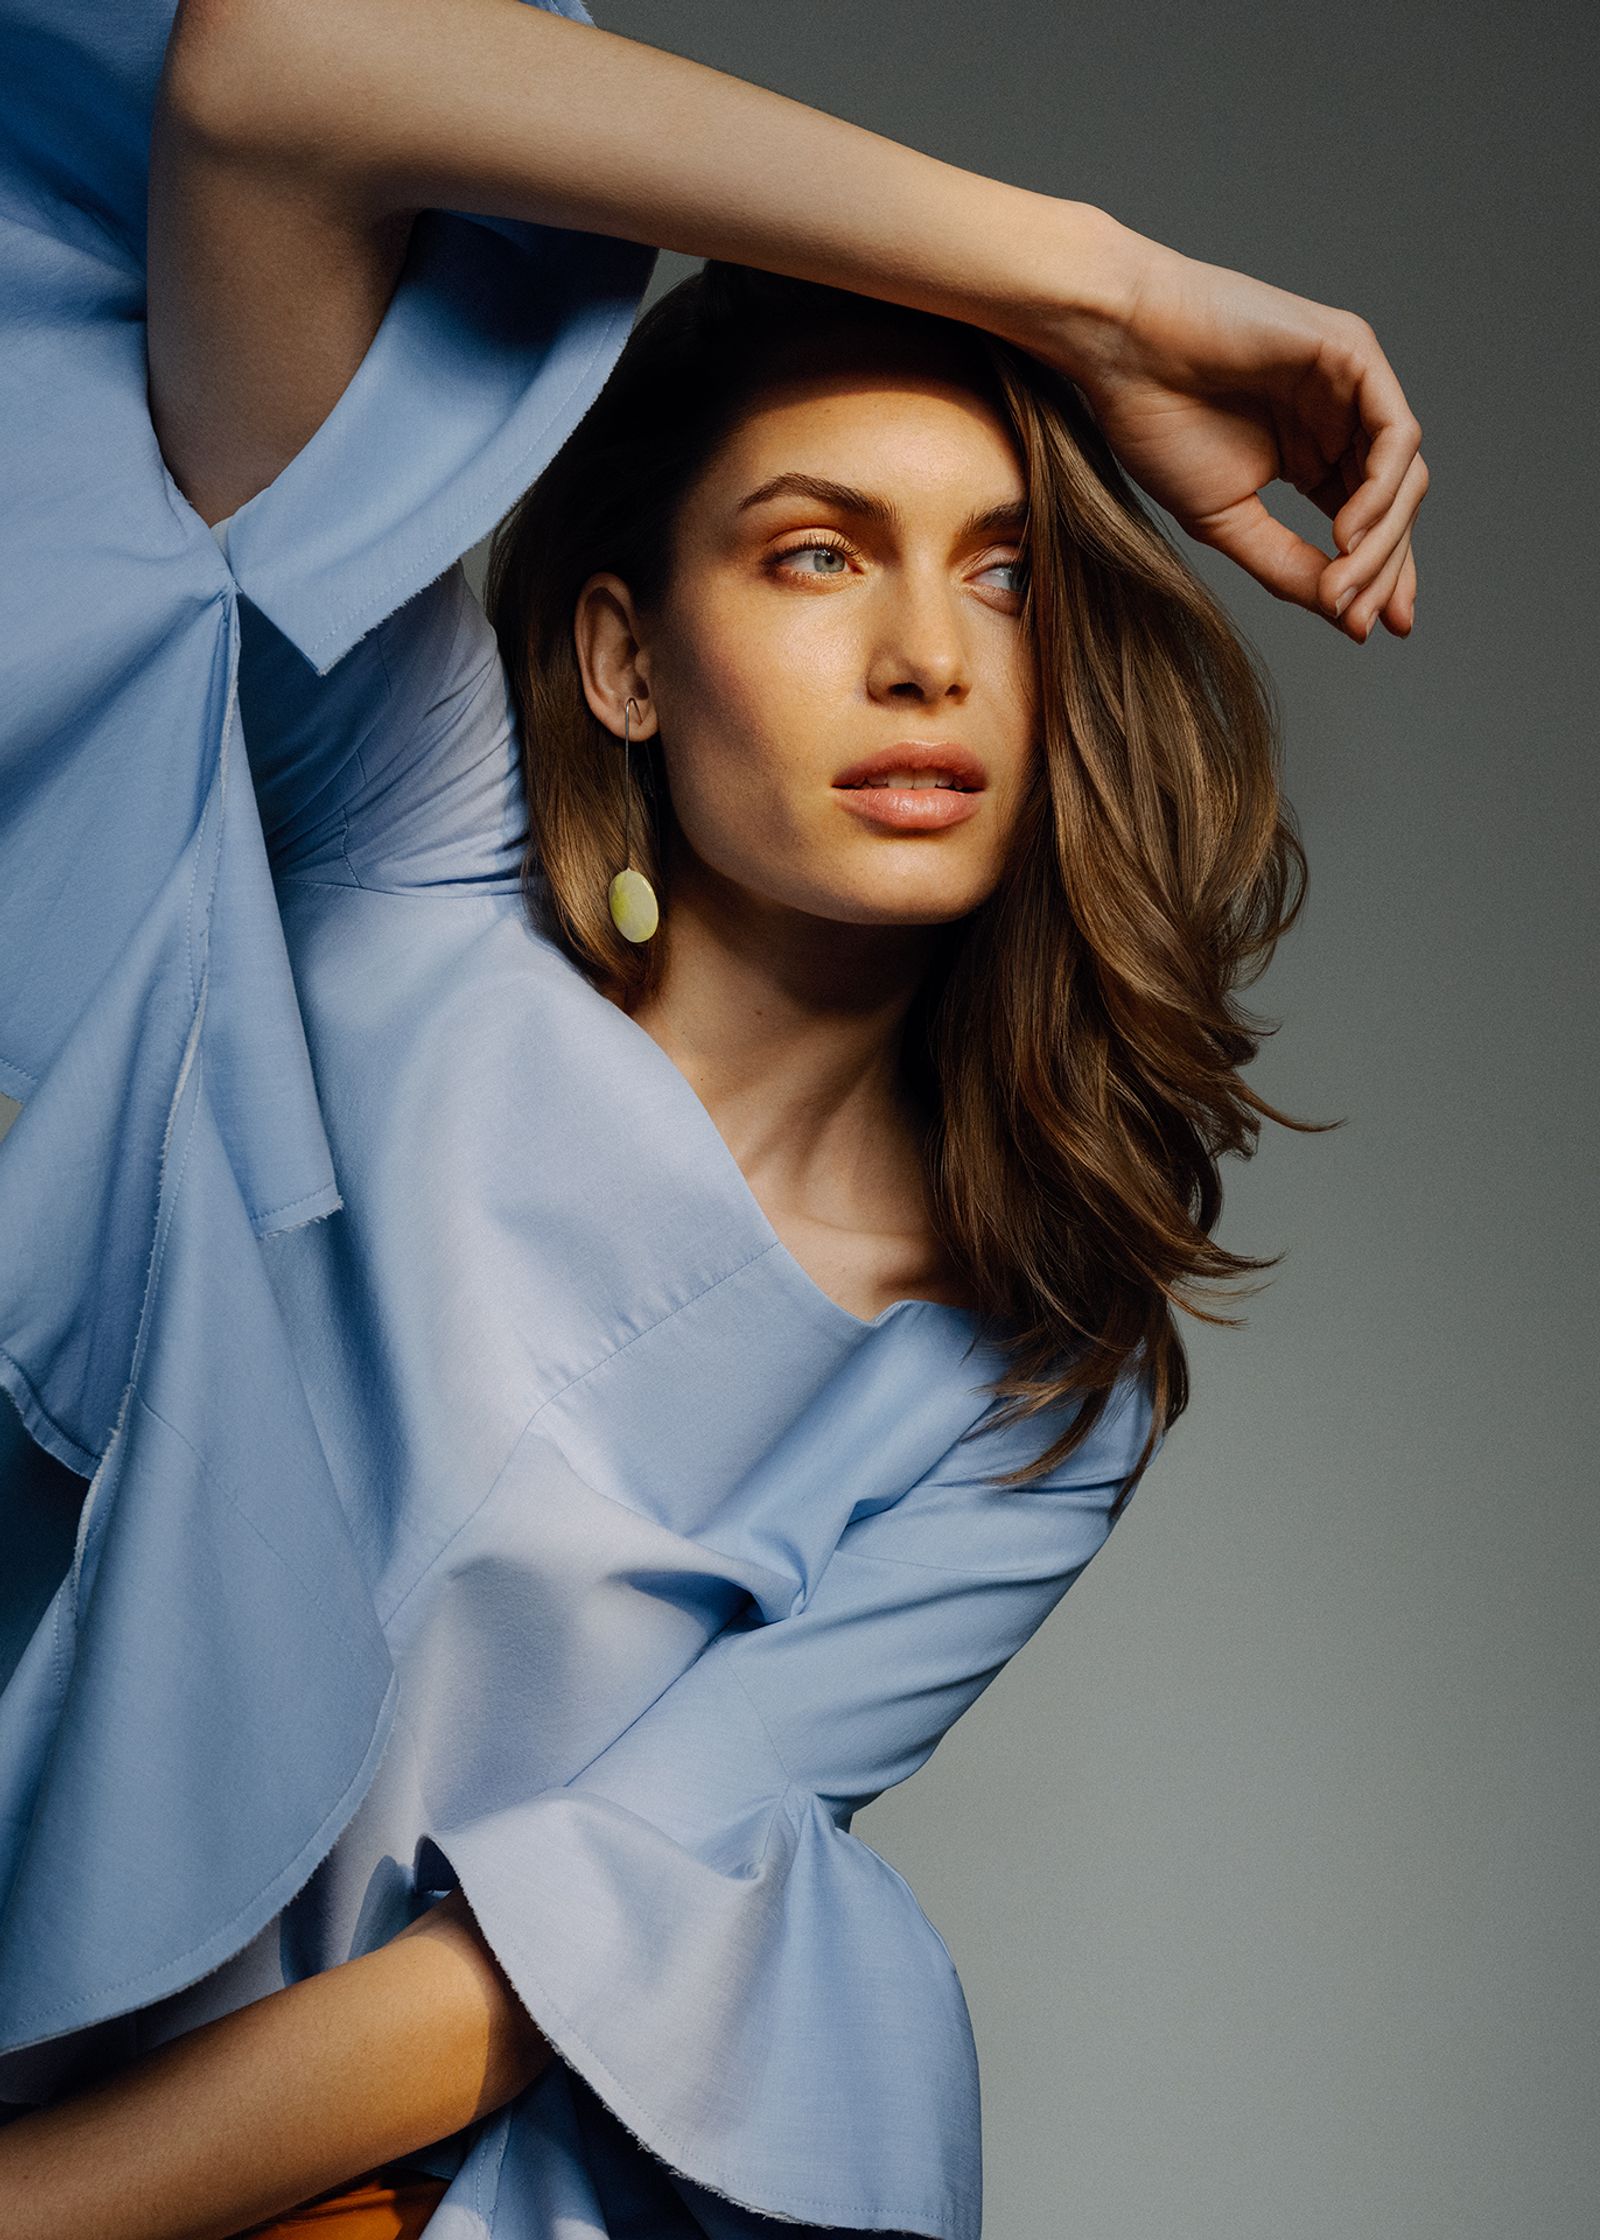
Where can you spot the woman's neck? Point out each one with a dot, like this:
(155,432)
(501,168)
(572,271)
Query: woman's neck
(789,1029)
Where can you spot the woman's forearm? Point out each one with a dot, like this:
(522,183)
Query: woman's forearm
(294,141)
(267,2106)
(498,107)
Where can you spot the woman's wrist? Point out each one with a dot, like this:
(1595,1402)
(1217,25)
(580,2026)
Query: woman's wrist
(1056,277)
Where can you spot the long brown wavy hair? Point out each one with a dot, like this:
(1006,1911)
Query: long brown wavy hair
(1077,1040)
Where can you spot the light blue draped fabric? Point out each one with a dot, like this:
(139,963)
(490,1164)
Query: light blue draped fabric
(479,1491)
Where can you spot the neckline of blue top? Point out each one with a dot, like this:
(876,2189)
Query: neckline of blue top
(720,1158)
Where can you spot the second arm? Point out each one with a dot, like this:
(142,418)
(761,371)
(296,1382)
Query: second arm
(293,144)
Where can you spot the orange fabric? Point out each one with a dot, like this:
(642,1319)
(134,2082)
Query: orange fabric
(388,2205)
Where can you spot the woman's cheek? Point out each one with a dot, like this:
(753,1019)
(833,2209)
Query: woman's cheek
(721,804)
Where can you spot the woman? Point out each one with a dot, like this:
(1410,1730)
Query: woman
(572,1534)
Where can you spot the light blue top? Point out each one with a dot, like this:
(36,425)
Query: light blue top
(534,1523)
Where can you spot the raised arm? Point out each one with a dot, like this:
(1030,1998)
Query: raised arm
(294,143)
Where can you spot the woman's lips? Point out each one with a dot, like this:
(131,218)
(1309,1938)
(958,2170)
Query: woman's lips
(909,808)
(949,779)
(945,759)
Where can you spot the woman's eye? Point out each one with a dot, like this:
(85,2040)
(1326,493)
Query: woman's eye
(798,552)
(1019,569)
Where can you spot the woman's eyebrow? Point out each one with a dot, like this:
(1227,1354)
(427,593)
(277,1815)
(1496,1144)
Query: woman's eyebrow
(845,498)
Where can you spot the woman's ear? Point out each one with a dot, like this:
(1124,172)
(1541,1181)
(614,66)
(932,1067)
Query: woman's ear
(611,660)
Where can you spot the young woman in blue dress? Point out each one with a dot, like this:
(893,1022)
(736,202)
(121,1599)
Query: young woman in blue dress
(955,790)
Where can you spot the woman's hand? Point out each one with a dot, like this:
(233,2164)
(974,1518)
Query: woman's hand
(1209,385)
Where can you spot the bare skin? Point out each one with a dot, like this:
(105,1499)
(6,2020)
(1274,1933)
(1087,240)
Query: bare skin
(798,635)
(279,2100)
(293,145)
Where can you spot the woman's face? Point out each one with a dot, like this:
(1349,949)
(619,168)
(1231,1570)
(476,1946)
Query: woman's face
(844,606)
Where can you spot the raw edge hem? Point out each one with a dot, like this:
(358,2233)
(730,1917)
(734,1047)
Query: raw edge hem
(920,2225)
(203,1960)
(40,1425)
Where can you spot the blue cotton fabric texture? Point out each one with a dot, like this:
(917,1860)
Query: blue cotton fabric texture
(479,1492)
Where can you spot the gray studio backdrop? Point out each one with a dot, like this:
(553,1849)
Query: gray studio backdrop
(1269,1864)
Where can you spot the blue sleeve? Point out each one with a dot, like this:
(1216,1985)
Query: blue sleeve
(498,337)
(755,1992)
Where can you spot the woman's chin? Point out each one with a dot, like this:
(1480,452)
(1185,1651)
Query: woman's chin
(922,903)
(887,885)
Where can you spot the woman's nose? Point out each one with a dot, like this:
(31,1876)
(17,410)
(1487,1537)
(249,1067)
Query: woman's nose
(920,645)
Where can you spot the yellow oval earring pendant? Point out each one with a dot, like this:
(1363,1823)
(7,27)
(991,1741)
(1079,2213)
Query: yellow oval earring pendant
(634,910)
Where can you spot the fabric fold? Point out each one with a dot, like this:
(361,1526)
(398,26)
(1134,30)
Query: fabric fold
(492,349)
(753,1991)
(209,1692)
(206,1698)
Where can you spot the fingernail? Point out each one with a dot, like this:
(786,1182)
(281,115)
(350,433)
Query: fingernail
(1344,600)
(1355,540)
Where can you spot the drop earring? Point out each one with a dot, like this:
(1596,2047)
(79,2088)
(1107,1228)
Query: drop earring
(634,910)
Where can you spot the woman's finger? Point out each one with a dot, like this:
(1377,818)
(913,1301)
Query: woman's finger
(1334,489)
(1346,578)
(1361,617)
(1265,548)
(1401,612)
(1393,435)
(1397,614)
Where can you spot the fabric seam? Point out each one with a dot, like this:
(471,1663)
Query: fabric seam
(549,1401)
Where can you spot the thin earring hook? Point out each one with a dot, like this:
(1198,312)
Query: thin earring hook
(627,784)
